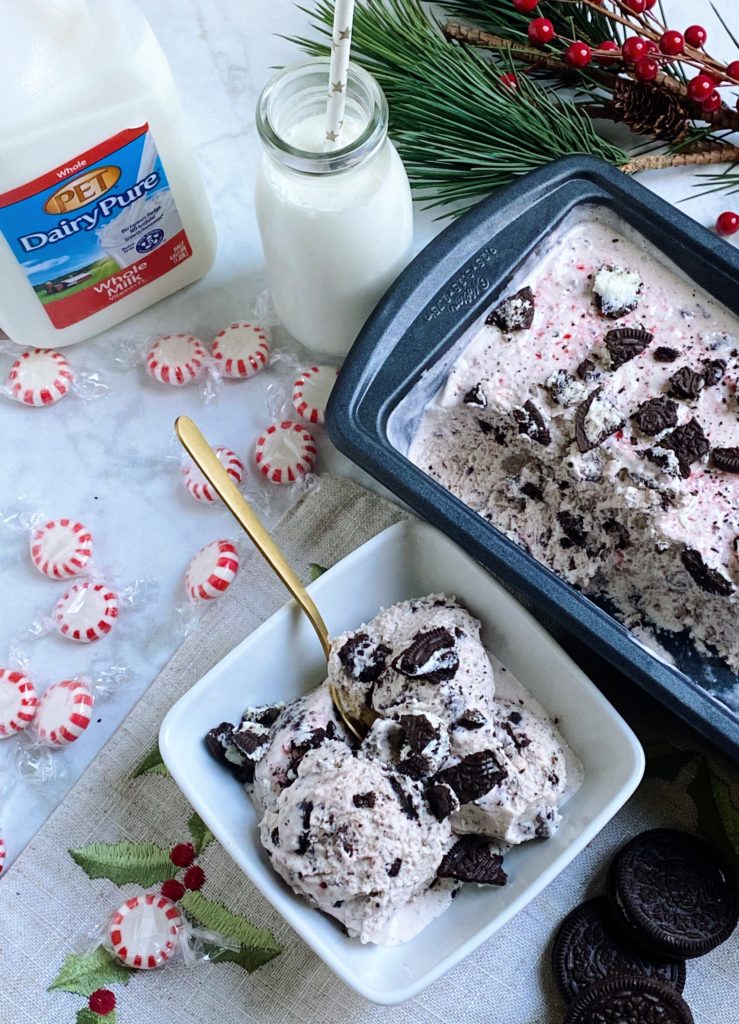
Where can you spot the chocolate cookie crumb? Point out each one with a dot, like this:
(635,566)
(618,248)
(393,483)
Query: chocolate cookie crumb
(471,860)
(516,313)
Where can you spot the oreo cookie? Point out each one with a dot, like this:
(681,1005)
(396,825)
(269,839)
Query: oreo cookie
(629,1000)
(471,859)
(589,947)
(674,894)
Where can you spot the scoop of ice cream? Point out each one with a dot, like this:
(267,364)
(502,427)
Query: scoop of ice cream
(418,655)
(359,841)
(303,725)
(526,763)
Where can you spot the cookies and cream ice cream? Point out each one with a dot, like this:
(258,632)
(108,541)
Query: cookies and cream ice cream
(595,420)
(381,834)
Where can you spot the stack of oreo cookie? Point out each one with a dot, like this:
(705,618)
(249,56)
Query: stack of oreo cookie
(621,957)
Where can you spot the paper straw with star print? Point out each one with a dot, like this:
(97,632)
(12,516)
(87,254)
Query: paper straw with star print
(341,45)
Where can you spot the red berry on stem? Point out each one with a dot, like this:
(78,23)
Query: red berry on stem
(637,6)
(728,223)
(578,55)
(173,890)
(733,70)
(510,80)
(194,877)
(672,43)
(646,69)
(650,4)
(634,49)
(700,88)
(712,104)
(541,31)
(696,35)
(525,5)
(607,47)
(102,1002)
(183,855)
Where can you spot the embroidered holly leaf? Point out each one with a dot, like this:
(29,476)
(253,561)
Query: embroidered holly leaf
(257,945)
(315,570)
(151,764)
(84,975)
(145,863)
(202,836)
(88,1016)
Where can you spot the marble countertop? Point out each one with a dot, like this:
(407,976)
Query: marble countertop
(113,462)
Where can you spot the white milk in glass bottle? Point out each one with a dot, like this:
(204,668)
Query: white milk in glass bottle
(336,226)
(102,209)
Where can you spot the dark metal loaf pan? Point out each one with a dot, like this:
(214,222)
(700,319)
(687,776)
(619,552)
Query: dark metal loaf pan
(409,342)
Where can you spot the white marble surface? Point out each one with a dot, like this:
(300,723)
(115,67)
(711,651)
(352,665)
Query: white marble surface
(110,462)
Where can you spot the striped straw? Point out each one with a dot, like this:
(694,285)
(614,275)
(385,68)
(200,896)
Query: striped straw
(341,45)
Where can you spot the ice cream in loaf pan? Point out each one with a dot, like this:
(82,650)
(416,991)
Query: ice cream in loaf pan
(381,835)
(594,419)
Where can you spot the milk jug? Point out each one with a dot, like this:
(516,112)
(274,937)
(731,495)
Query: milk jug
(102,209)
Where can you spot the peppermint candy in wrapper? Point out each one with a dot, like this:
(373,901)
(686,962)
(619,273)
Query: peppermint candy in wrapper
(64,712)
(285,452)
(240,351)
(176,359)
(61,548)
(145,931)
(18,702)
(212,570)
(87,612)
(39,377)
(312,390)
(199,487)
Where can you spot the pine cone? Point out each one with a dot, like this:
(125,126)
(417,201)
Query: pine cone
(649,110)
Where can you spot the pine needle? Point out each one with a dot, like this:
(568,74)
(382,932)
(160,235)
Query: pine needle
(460,131)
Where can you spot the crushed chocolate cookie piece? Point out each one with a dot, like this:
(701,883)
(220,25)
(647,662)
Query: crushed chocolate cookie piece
(346,837)
(726,459)
(220,746)
(531,422)
(520,740)
(532,491)
(265,715)
(595,420)
(656,415)
(419,732)
(251,739)
(474,776)
(442,800)
(516,313)
(708,579)
(619,533)
(415,766)
(407,804)
(476,396)
(564,390)
(616,291)
(312,742)
(306,808)
(688,443)
(713,371)
(362,660)
(587,370)
(275,836)
(515,717)
(364,799)
(664,354)
(625,343)
(472,860)
(471,718)
(572,527)
(395,867)
(686,383)
(432,655)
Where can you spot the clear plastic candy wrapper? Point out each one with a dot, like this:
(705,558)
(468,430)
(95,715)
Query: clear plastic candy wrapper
(39,377)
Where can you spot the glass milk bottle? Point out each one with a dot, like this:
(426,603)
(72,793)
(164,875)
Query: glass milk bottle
(336,225)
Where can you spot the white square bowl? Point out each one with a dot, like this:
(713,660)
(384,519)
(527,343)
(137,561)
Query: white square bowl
(283,659)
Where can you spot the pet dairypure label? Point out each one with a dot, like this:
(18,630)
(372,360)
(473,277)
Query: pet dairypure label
(96,229)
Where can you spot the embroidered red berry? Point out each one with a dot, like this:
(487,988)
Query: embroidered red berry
(695,36)
(194,877)
(173,890)
(183,855)
(541,31)
(102,1002)
(646,69)
(728,223)
(733,70)
(604,51)
(633,49)
(712,103)
(700,88)
(525,5)
(672,43)
(509,80)
(578,55)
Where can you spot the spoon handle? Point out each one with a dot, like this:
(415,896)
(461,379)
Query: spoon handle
(207,462)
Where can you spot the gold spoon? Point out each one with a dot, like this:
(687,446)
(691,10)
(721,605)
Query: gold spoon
(207,462)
